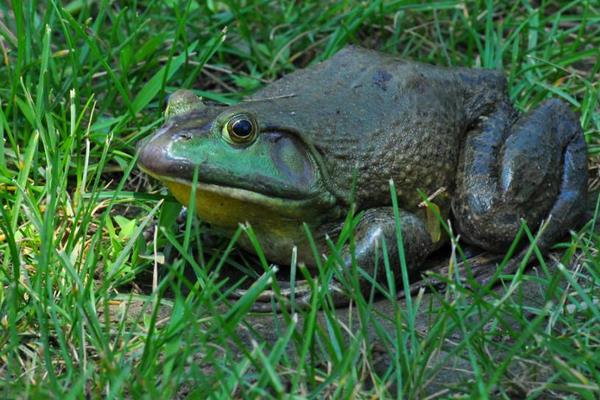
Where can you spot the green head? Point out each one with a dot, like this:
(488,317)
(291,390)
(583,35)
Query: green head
(251,165)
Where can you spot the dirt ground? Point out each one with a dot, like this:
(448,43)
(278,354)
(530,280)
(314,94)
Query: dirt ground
(455,371)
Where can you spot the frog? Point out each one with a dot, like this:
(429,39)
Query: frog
(395,141)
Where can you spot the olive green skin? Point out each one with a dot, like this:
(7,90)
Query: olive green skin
(366,117)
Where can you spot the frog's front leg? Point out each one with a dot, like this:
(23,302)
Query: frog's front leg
(532,168)
(375,226)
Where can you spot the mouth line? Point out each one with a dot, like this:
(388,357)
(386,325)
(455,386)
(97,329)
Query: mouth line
(236,192)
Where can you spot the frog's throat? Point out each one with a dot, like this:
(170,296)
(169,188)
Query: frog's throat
(227,207)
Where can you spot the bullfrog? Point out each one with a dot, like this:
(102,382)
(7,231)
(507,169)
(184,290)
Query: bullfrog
(308,146)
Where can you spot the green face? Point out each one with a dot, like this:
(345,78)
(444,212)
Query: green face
(248,169)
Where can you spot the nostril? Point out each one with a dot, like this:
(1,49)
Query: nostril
(182,136)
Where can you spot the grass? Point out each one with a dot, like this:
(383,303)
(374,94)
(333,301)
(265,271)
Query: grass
(96,303)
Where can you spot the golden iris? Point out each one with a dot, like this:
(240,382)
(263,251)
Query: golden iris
(240,129)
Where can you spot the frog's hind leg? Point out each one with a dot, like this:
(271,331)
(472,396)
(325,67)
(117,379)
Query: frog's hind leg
(534,169)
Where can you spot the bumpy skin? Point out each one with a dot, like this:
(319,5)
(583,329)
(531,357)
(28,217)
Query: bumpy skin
(370,117)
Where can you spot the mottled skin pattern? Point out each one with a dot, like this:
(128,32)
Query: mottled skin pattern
(371,117)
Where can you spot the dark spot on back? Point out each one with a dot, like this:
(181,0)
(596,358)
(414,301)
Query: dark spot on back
(380,79)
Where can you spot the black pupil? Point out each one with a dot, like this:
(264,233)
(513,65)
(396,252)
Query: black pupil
(242,128)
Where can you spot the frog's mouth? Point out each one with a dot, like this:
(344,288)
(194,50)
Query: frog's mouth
(228,206)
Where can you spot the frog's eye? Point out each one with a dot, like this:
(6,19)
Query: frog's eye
(240,129)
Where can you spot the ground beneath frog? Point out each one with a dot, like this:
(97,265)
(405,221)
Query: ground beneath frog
(456,371)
